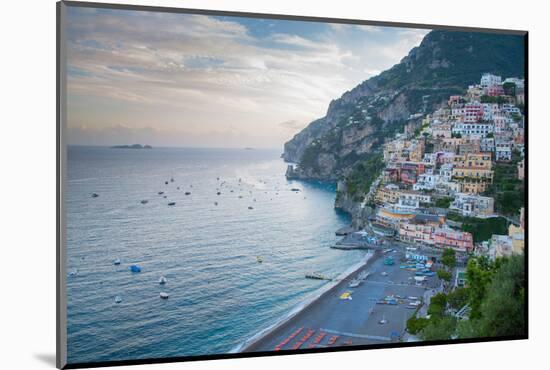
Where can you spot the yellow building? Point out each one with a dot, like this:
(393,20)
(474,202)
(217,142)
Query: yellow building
(473,172)
(386,195)
(481,160)
(518,238)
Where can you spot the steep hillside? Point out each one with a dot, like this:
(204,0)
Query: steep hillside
(357,123)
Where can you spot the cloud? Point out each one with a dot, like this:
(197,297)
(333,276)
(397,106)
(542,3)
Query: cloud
(194,76)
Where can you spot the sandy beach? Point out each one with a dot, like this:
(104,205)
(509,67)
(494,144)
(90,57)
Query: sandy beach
(331,319)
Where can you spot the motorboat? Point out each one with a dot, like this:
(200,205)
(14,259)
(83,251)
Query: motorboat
(118,299)
(172,203)
(116,262)
(164,295)
(162,280)
(144,201)
(135,268)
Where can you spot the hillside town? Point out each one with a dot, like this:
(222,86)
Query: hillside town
(443,179)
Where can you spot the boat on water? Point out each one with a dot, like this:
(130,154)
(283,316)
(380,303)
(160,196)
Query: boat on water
(171,179)
(162,280)
(164,295)
(166,183)
(116,262)
(95,195)
(118,299)
(144,201)
(135,268)
(160,192)
(250,207)
(219,193)
(259,259)
(215,203)
(172,203)
(295,189)
(73,272)
(187,193)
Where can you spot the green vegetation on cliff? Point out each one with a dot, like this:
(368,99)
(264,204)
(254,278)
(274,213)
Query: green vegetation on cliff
(507,190)
(481,228)
(363,175)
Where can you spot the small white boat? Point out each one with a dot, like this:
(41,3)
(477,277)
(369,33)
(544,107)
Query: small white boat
(116,262)
(118,299)
(73,272)
(162,280)
(354,284)
(164,295)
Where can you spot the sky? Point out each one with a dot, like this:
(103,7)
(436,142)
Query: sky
(185,80)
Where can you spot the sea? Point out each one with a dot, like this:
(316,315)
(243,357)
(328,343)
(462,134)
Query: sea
(235,262)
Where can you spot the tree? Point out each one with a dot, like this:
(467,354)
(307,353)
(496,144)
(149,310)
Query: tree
(478,273)
(437,306)
(444,202)
(444,275)
(509,88)
(501,308)
(439,329)
(448,258)
(416,324)
(458,298)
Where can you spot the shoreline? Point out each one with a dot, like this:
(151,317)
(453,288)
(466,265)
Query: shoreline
(308,302)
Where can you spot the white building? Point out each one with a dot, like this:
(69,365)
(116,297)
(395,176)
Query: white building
(473,205)
(510,109)
(520,82)
(412,199)
(473,129)
(487,144)
(488,79)
(446,171)
(503,150)
(425,181)
(489,110)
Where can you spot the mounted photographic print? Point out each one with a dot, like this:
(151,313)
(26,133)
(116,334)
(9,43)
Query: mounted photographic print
(236,184)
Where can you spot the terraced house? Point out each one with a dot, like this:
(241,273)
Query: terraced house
(473,171)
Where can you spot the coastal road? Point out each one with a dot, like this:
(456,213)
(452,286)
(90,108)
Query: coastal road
(333,321)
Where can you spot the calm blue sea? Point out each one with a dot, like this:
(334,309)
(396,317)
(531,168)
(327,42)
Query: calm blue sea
(219,294)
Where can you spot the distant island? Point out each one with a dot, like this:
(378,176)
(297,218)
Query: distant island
(133,146)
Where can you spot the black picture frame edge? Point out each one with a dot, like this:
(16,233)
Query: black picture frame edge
(61,323)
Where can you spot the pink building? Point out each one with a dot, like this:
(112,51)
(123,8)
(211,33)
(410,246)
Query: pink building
(455,239)
(495,90)
(473,112)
